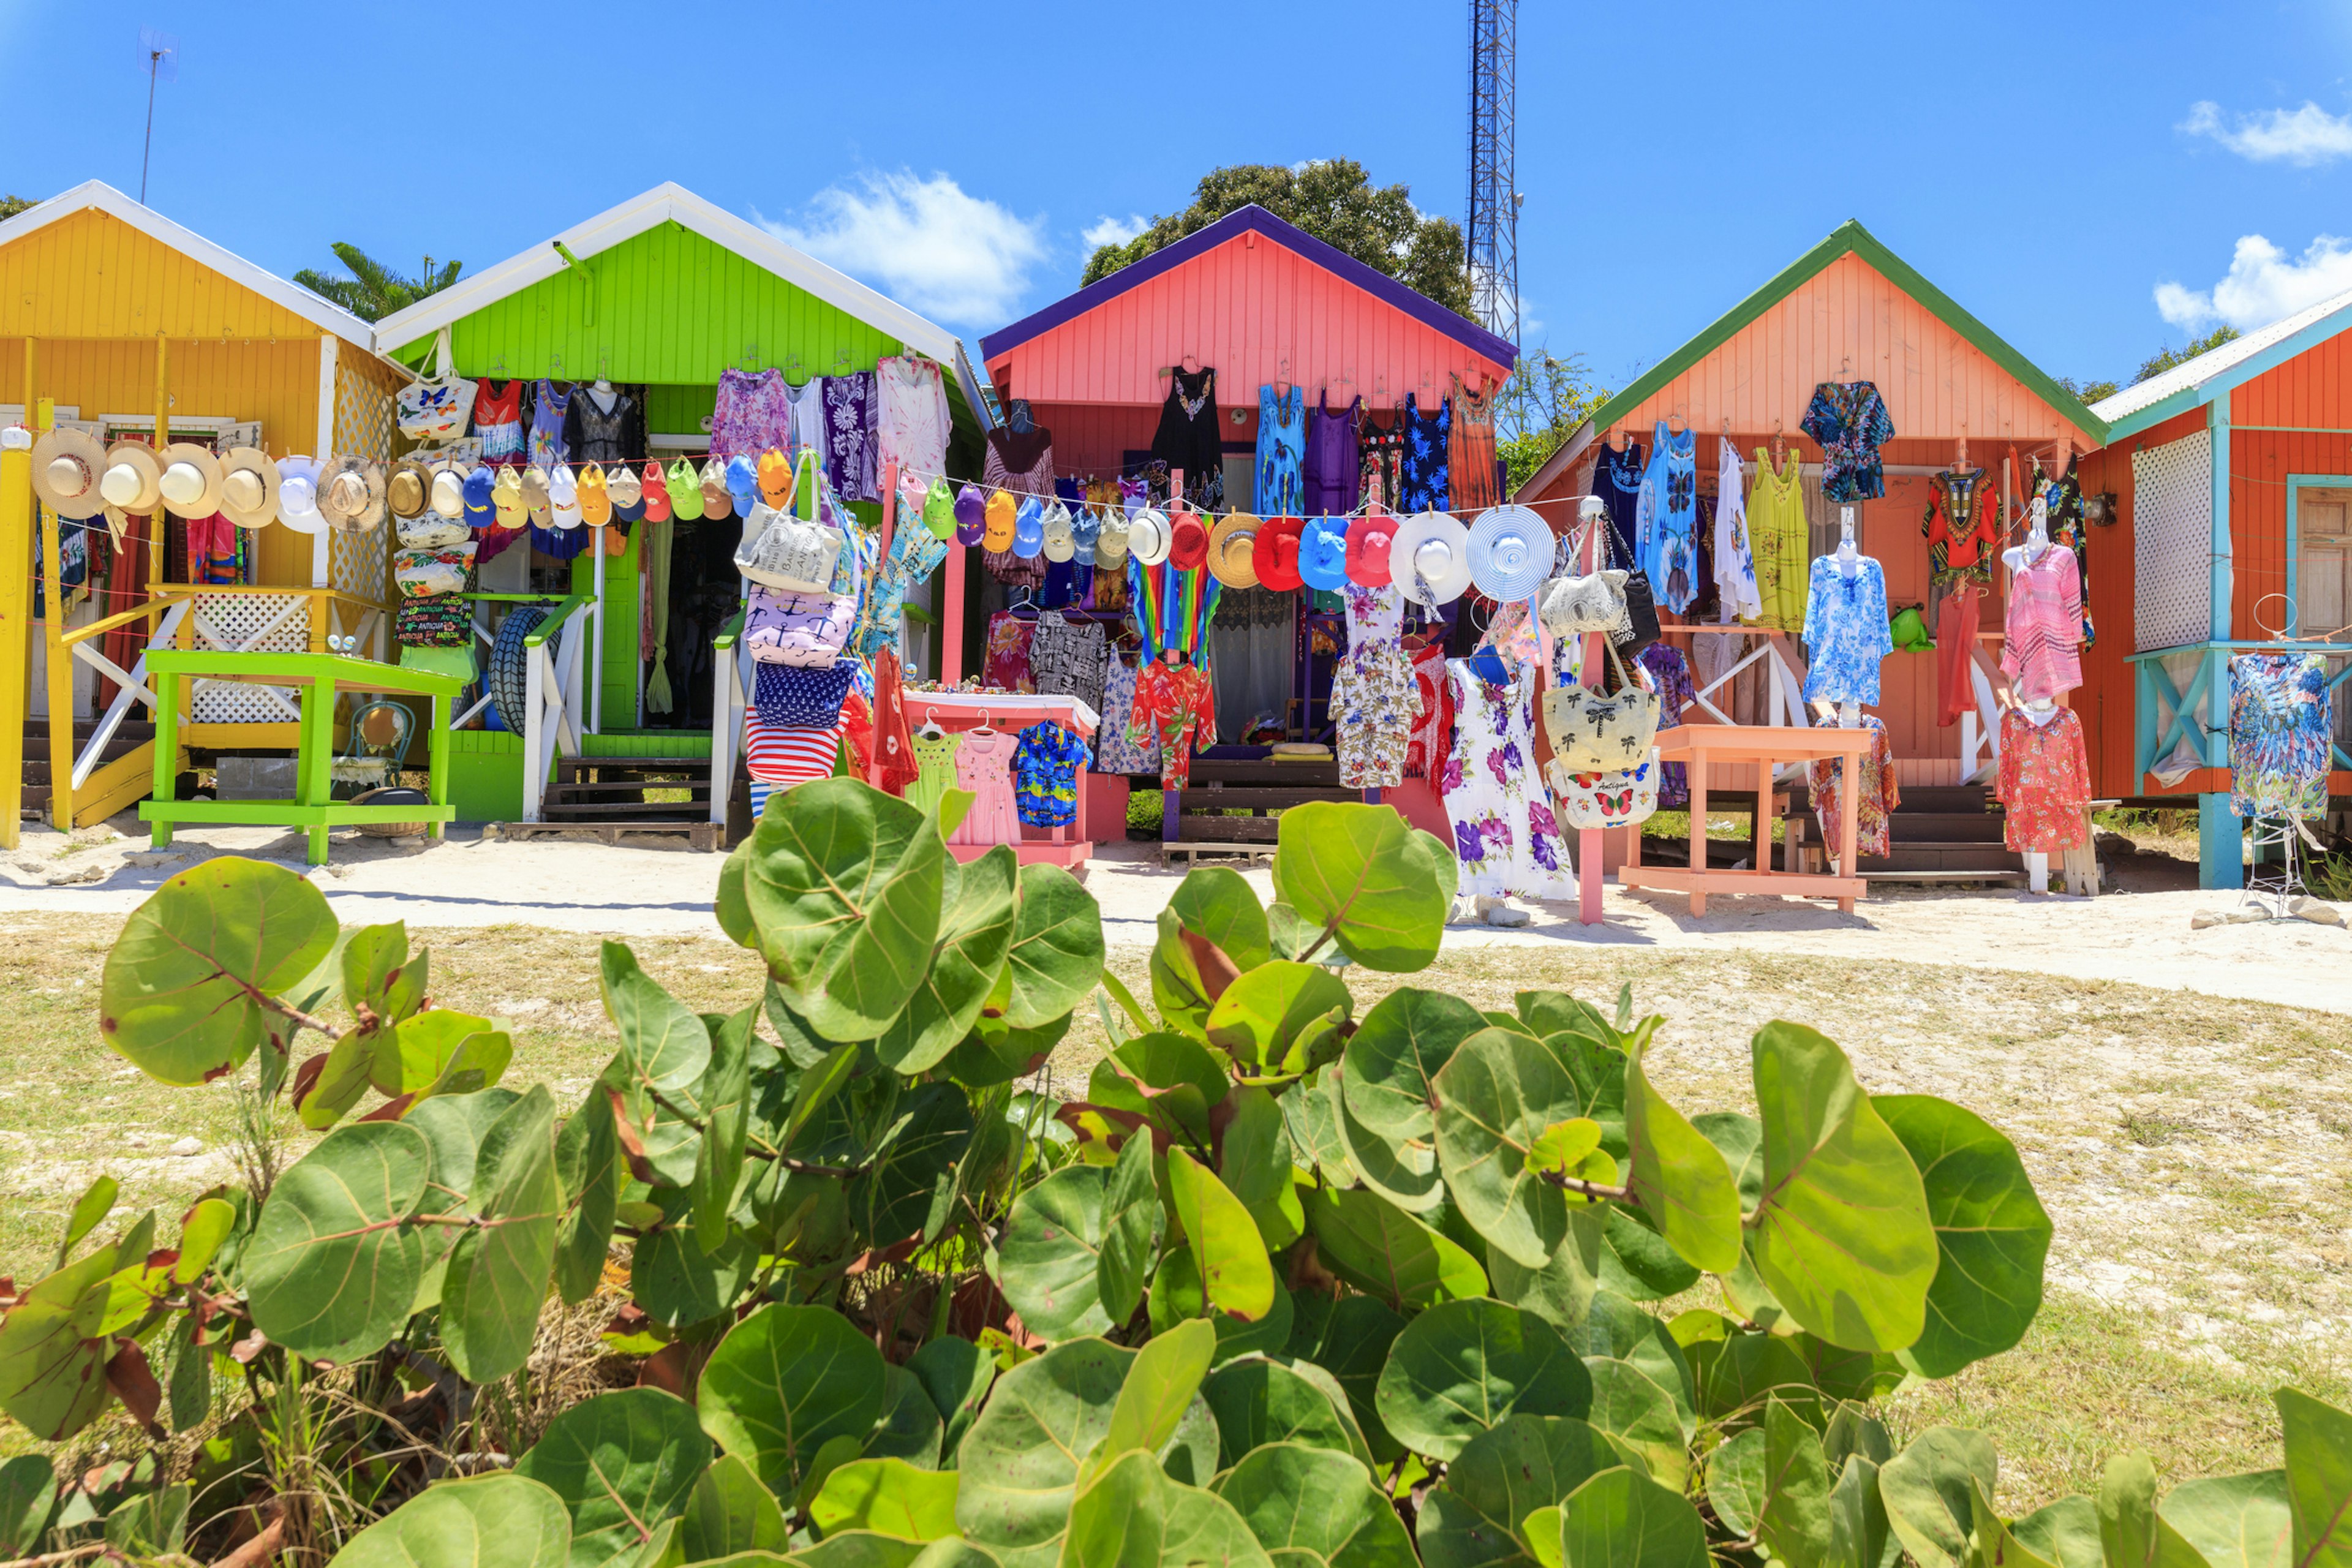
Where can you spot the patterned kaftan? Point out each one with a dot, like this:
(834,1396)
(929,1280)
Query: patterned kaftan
(1504,830)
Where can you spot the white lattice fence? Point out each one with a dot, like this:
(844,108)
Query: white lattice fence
(248,622)
(2172,529)
(361,564)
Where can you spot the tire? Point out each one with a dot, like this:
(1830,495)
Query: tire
(508,675)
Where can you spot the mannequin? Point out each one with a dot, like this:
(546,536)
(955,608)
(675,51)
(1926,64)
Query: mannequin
(1849,562)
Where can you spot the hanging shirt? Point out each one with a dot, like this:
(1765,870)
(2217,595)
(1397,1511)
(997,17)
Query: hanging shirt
(2045,782)
(2045,617)
(1672,676)
(804,406)
(1850,420)
(1114,752)
(1045,767)
(1875,802)
(593,433)
(1961,528)
(749,415)
(2279,734)
(1177,708)
(1066,657)
(911,420)
(1734,561)
(2064,504)
(1846,631)
(498,422)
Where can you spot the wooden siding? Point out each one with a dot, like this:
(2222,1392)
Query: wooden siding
(2313,389)
(1849,322)
(90,275)
(1259,313)
(665,306)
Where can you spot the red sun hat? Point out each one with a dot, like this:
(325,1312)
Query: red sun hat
(1368,549)
(1190,546)
(1276,555)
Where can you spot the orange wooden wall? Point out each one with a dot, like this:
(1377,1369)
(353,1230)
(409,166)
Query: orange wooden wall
(1258,311)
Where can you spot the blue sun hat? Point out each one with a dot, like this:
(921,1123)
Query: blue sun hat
(1029,528)
(1510,552)
(1323,552)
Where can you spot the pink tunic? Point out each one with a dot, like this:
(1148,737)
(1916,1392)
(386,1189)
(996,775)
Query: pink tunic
(984,765)
(2041,655)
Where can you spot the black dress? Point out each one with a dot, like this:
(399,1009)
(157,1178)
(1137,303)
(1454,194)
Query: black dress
(1188,438)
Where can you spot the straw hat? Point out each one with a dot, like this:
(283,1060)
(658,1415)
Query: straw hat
(406,488)
(1059,538)
(350,493)
(298,494)
(134,479)
(1111,539)
(1188,543)
(1369,539)
(1323,552)
(1275,556)
(1149,538)
(191,480)
(66,466)
(1429,559)
(1510,552)
(249,488)
(1231,544)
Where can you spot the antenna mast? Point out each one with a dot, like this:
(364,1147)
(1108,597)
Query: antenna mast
(1493,231)
(157,55)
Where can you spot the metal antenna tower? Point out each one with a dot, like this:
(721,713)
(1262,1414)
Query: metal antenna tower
(1493,232)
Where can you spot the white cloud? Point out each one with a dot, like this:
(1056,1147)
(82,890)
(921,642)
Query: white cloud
(2264,283)
(2305,136)
(1109,230)
(951,256)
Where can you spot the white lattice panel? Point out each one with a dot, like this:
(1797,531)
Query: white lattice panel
(248,622)
(2172,533)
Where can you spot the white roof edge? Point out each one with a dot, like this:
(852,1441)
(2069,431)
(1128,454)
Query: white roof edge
(668,202)
(2215,362)
(322,314)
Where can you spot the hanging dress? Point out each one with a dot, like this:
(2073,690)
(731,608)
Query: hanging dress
(849,453)
(1504,830)
(1115,751)
(1617,481)
(1188,436)
(935,756)
(1782,542)
(1422,476)
(548,408)
(1470,448)
(984,766)
(1333,471)
(1281,449)
(749,415)
(498,421)
(1667,522)
(1374,699)
(1846,631)
(2045,782)
(2064,495)
(2043,622)
(1380,461)
(2281,733)
(805,417)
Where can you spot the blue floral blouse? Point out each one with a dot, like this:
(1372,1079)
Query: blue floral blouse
(1846,632)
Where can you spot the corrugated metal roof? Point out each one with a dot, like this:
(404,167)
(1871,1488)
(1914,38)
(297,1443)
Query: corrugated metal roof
(2196,374)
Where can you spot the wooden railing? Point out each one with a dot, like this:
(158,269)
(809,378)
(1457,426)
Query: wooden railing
(731,694)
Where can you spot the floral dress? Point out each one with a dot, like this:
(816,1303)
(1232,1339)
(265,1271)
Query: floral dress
(1874,805)
(1846,631)
(1177,707)
(1115,752)
(1005,664)
(1381,448)
(1850,420)
(851,460)
(1373,692)
(1422,476)
(2279,734)
(1432,714)
(2045,782)
(1503,829)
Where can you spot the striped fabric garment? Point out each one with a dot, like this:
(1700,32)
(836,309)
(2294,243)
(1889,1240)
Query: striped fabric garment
(2044,625)
(782,754)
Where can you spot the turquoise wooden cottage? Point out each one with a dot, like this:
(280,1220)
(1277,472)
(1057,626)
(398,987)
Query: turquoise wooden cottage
(664,292)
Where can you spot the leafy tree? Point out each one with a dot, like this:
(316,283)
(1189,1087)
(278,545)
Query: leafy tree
(1332,199)
(375,291)
(1546,398)
(2088,392)
(12,204)
(2165,359)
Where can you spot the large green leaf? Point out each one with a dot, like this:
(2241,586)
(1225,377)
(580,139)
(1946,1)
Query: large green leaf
(1158,1388)
(1258,1400)
(621,1462)
(1630,1405)
(1474,1519)
(664,1043)
(889,1497)
(1215,904)
(957,1374)
(2318,1479)
(1678,1177)
(1271,1017)
(1058,947)
(908,1189)
(332,1268)
(382,989)
(846,888)
(1256,1168)
(855,1549)
(1236,1271)
(967,963)
(1496,1096)
(1052,1253)
(1991,1233)
(1119,1518)
(1843,1236)
(2133,1534)
(677,1283)
(1794,1520)
(1388,1089)
(1635,1260)
(1350,1339)
(1360,873)
(910,1427)
(2066,1532)
(499,1274)
(1614,1327)
(782,1381)
(52,1354)
(1131,1217)
(28,1490)
(1560,1293)
(1203,1529)
(1316,1507)
(1927,1488)
(1737,1482)
(1311,1112)
(725,1095)
(1622,1519)
(1386,1253)
(1176,1295)
(729,1512)
(1017,1467)
(1732,1375)
(1858,1530)
(180,997)
(2233,1522)
(1463,1367)
(499,1520)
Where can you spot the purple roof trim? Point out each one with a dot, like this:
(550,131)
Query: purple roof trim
(1419,306)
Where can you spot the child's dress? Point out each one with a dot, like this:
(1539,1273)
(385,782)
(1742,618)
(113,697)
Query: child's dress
(984,765)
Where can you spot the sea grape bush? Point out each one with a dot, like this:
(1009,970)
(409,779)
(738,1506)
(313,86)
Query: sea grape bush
(1294,1281)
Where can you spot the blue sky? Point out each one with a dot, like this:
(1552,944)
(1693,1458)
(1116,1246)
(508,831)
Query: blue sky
(2092,181)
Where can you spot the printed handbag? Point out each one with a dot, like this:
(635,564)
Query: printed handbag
(787,554)
(805,629)
(430,531)
(424,573)
(1593,731)
(1624,798)
(1575,605)
(437,409)
(807,699)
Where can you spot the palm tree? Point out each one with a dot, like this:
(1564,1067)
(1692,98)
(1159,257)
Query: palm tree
(374,290)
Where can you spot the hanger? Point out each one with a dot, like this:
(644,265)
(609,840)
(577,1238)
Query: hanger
(1780,446)
(931,730)
(983,727)
(750,360)
(1487,663)
(499,368)
(842,364)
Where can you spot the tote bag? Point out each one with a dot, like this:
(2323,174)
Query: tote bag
(437,409)
(1592,732)
(1623,798)
(805,699)
(808,630)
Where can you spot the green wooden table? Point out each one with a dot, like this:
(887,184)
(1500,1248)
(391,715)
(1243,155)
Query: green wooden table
(318,676)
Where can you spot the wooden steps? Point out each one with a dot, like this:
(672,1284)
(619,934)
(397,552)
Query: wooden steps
(1939,835)
(606,797)
(104,793)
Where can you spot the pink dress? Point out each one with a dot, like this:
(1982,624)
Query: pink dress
(2041,653)
(984,765)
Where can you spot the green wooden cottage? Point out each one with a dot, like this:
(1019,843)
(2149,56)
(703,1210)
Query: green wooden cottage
(662,293)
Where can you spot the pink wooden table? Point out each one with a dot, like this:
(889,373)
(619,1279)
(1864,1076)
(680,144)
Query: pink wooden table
(1701,746)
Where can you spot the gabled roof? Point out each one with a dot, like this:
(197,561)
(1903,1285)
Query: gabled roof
(97,194)
(2216,370)
(1253,219)
(673,203)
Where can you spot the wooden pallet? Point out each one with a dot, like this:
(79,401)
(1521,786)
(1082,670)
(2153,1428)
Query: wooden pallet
(699,835)
(1193,849)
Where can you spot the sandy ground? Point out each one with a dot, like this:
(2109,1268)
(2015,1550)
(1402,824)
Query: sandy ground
(2139,936)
